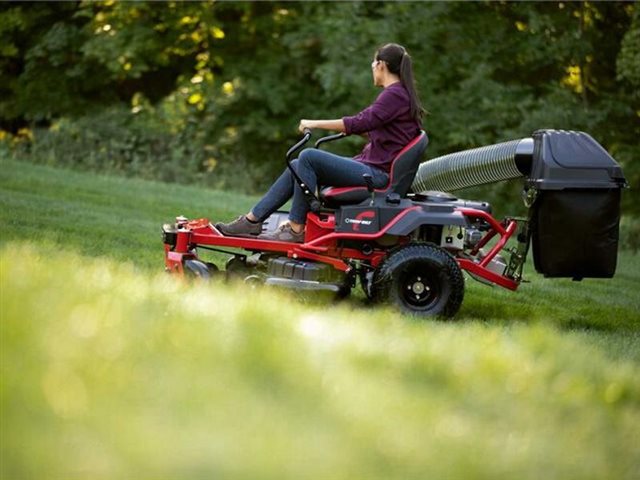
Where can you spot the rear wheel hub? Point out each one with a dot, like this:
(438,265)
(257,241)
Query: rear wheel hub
(418,290)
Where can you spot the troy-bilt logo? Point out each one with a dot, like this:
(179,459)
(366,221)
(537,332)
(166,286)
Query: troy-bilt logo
(361,219)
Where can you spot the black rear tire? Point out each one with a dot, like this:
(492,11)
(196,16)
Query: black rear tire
(420,279)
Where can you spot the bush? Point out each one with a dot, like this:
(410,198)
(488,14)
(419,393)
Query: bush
(146,145)
(630,234)
(112,140)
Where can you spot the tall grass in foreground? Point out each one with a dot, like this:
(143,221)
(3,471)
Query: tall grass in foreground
(108,372)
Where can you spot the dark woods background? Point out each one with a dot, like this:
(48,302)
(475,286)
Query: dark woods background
(212,92)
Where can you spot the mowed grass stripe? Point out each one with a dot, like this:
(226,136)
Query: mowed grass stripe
(101,215)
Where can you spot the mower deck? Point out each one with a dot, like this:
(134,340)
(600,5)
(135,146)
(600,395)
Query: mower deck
(324,244)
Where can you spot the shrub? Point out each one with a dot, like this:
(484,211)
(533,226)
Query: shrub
(141,145)
(630,233)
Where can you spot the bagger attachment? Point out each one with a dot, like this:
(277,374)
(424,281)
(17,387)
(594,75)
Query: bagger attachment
(572,187)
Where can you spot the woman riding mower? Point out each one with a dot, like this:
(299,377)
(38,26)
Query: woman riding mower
(391,122)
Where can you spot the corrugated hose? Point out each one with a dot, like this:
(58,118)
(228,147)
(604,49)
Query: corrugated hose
(478,166)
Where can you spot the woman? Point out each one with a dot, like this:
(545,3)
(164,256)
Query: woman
(391,122)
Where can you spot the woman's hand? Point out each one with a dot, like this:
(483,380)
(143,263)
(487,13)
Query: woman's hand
(305,124)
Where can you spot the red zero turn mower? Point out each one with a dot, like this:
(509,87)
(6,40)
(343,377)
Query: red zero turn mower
(408,243)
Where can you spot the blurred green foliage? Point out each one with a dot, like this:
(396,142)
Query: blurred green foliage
(114,374)
(212,92)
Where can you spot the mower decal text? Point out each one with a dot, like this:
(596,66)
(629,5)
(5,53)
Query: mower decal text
(360,220)
(356,221)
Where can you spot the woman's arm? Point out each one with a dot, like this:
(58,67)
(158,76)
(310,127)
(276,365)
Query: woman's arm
(337,125)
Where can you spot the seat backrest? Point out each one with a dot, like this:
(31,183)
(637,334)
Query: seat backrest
(405,166)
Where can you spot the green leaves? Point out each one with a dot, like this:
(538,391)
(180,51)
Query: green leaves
(629,57)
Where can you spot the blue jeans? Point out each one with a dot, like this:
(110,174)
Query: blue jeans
(314,167)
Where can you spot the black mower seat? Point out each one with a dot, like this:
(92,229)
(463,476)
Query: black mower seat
(401,175)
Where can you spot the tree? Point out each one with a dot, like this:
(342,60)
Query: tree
(228,82)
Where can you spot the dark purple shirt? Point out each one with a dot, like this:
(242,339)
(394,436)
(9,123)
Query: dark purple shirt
(389,124)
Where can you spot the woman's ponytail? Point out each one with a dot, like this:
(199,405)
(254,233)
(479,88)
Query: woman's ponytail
(409,82)
(399,62)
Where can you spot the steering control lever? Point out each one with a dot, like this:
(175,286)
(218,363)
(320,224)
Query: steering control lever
(306,136)
(310,197)
(330,138)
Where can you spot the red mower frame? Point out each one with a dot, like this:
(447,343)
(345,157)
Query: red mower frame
(372,234)
(321,244)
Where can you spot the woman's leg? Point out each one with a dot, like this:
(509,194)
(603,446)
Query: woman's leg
(327,169)
(313,167)
(277,195)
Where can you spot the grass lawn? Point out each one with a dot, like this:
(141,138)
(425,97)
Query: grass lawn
(111,369)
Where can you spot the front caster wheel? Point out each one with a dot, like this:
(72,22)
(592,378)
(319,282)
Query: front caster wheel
(420,279)
(198,269)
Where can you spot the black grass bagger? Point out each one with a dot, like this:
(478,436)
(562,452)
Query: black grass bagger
(408,243)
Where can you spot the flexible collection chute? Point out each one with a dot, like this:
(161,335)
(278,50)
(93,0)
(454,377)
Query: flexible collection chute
(470,168)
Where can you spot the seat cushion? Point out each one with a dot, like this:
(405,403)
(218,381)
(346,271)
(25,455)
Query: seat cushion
(336,196)
(403,170)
